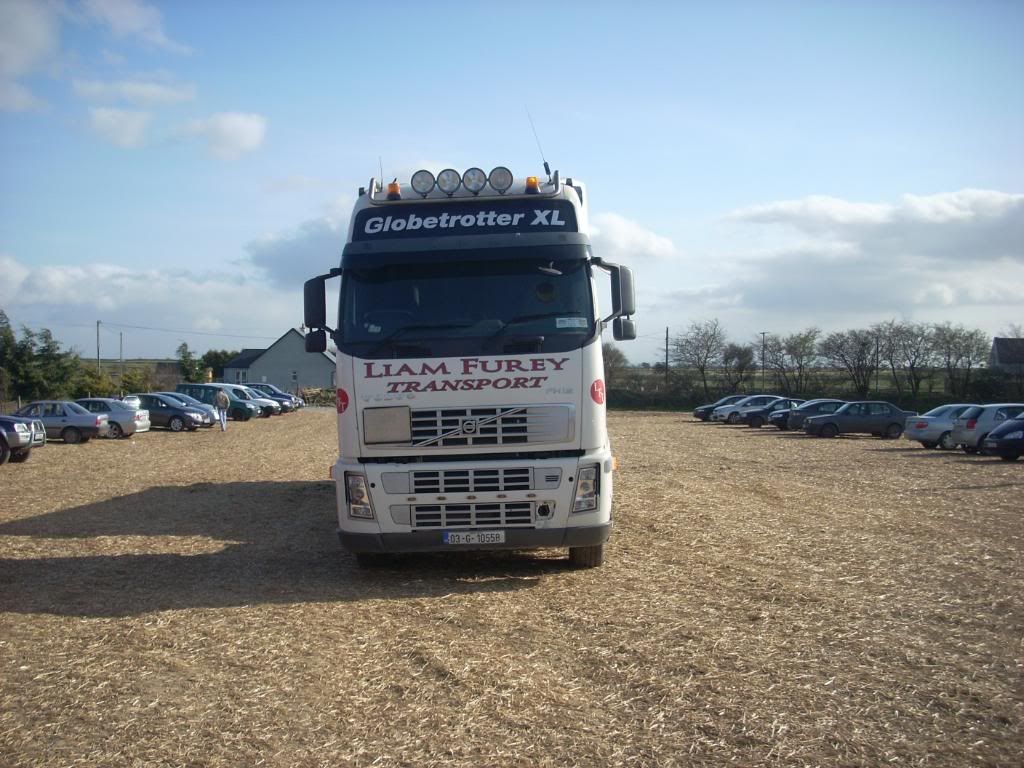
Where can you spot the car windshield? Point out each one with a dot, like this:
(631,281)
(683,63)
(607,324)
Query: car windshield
(537,300)
(940,411)
(174,397)
(187,399)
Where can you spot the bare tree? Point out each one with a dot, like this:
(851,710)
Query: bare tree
(792,358)
(615,365)
(853,352)
(737,365)
(700,348)
(960,350)
(1013,331)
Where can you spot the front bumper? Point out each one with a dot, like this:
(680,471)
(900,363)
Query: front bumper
(515,538)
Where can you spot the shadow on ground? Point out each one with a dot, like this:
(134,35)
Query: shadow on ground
(280,547)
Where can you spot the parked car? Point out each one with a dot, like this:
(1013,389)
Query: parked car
(1005,441)
(872,417)
(210,413)
(757,417)
(239,408)
(935,428)
(268,406)
(67,420)
(171,414)
(272,391)
(284,402)
(703,412)
(131,400)
(972,426)
(124,420)
(730,413)
(812,408)
(18,436)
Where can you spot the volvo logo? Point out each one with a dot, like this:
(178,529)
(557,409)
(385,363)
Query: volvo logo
(469,426)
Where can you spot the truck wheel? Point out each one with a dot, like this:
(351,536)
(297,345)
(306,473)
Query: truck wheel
(17,457)
(586,557)
(71,436)
(5,452)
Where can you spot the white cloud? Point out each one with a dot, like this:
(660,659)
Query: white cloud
(138,92)
(158,298)
(29,41)
(290,258)
(122,127)
(229,134)
(616,237)
(132,18)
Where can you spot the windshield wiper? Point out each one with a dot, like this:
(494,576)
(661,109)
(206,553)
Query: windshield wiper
(527,318)
(421,327)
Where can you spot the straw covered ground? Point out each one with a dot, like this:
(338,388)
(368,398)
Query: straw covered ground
(768,599)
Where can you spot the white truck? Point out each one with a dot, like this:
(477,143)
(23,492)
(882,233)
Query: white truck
(470,383)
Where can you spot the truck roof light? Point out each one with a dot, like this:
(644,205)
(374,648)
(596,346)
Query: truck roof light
(448,181)
(474,180)
(423,182)
(500,179)
(532,185)
(394,190)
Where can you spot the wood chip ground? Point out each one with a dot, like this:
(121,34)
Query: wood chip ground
(767,599)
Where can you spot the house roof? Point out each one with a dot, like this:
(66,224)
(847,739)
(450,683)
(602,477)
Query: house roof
(1009,351)
(245,358)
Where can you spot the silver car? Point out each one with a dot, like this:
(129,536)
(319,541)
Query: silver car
(67,420)
(730,413)
(973,425)
(124,420)
(935,428)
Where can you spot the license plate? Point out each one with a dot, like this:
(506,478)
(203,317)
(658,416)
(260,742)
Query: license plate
(474,537)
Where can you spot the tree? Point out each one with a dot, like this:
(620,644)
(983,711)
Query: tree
(137,380)
(191,369)
(908,349)
(615,365)
(90,383)
(737,365)
(792,358)
(700,348)
(215,359)
(8,344)
(853,352)
(960,350)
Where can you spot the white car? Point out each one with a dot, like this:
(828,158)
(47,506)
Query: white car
(973,425)
(935,428)
(730,413)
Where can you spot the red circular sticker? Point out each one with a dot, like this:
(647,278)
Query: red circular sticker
(597,392)
(342,401)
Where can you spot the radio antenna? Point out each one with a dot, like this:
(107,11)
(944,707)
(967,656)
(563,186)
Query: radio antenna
(380,163)
(547,168)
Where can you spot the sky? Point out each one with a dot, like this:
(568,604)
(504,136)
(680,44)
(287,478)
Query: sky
(176,170)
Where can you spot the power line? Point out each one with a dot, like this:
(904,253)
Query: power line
(192,333)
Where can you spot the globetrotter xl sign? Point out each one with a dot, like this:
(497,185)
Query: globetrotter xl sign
(484,217)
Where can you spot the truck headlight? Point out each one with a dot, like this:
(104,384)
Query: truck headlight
(358,497)
(587,489)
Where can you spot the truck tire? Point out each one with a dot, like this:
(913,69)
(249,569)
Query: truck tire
(586,557)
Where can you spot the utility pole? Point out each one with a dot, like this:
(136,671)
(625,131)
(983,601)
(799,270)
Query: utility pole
(666,354)
(97,347)
(764,334)
(120,341)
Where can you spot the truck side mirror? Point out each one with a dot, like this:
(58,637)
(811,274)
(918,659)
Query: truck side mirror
(316,341)
(623,295)
(314,304)
(623,329)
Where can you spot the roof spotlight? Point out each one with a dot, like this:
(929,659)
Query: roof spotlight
(500,179)
(474,180)
(423,182)
(448,181)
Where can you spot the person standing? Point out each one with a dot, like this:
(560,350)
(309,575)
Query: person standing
(222,403)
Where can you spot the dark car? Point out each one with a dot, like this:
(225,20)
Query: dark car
(209,412)
(812,408)
(758,417)
(276,393)
(1005,441)
(18,436)
(171,414)
(703,412)
(872,417)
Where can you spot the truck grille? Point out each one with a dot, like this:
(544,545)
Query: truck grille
(519,513)
(501,425)
(472,480)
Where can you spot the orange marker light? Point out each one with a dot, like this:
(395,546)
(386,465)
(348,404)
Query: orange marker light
(532,185)
(394,191)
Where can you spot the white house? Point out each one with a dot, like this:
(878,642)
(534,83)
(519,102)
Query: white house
(285,363)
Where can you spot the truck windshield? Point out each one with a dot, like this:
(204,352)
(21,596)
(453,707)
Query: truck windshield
(450,307)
